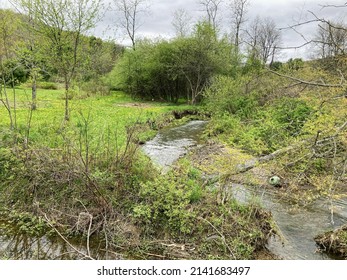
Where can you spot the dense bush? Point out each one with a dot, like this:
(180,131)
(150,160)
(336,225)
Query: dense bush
(181,68)
(240,118)
(13,73)
(228,95)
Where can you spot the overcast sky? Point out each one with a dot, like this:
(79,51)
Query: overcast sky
(158,21)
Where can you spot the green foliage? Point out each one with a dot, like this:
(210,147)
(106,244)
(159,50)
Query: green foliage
(47,85)
(26,223)
(13,73)
(240,119)
(291,114)
(167,200)
(181,68)
(228,95)
(252,65)
(276,65)
(164,203)
(295,64)
(7,161)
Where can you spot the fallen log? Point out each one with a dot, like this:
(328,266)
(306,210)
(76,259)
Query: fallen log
(249,164)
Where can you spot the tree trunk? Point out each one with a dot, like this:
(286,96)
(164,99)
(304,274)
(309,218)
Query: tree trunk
(67,113)
(6,103)
(33,94)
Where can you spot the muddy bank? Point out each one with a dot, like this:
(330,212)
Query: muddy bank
(334,242)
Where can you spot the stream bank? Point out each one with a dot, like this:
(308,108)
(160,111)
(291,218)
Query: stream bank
(297,225)
(151,215)
(193,196)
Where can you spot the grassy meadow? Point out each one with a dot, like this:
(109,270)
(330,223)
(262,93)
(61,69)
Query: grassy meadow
(105,114)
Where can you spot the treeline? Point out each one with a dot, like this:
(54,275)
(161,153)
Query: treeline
(47,42)
(22,52)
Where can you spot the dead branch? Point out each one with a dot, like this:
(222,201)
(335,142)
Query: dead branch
(250,164)
(295,47)
(87,256)
(298,24)
(334,6)
(306,82)
(220,234)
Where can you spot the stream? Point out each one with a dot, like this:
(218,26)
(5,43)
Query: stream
(297,226)
(172,143)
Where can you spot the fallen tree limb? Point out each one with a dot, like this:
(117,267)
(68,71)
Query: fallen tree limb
(318,84)
(250,164)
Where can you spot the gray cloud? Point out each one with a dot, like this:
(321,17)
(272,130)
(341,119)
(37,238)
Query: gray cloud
(158,22)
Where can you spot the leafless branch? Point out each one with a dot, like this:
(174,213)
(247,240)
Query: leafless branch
(87,256)
(334,6)
(306,82)
(298,24)
(220,234)
(295,47)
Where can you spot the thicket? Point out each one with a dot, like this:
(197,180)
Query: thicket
(296,114)
(246,115)
(176,69)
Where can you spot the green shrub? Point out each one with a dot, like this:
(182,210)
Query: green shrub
(164,204)
(240,120)
(48,85)
(95,87)
(7,162)
(291,114)
(227,95)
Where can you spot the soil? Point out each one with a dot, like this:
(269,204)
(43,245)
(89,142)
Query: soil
(265,255)
(334,242)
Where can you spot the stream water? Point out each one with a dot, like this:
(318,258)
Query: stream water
(15,245)
(297,226)
(172,143)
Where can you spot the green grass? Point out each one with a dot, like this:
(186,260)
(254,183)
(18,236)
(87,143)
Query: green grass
(105,114)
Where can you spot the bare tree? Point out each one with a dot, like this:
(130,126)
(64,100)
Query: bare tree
(252,37)
(331,39)
(269,40)
(264,39)
(238,18)
(130,10)
(211,8)
(331,36)
(181,22)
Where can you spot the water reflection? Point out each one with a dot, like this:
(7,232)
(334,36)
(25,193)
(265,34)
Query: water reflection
(24,247)
(18,246)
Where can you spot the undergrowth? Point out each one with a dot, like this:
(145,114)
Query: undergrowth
(86,180)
